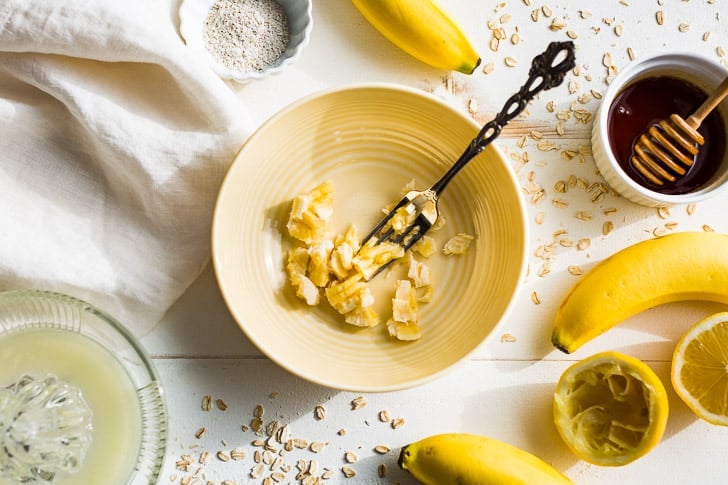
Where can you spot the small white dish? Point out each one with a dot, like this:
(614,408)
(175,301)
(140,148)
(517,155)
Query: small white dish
(698,71)
(193,14)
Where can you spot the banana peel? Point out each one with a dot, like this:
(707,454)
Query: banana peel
(677,267)
(424,30)
(469,459)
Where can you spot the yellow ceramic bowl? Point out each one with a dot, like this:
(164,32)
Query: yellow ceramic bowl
(369,141)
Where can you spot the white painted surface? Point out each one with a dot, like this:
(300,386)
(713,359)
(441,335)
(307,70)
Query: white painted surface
(504,390)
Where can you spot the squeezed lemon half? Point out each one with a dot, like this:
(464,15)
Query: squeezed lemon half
(700,368)
(610,409)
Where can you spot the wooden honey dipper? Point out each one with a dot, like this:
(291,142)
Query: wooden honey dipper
(667,150)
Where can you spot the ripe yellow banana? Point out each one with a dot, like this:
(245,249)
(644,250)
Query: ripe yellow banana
(423,30)
(677,267)
(467,459)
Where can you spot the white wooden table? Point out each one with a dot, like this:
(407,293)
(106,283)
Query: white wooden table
(504,391)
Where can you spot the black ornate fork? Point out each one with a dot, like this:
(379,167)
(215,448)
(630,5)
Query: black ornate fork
(545,73)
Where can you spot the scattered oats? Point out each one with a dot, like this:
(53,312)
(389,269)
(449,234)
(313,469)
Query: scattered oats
(585,14)
(226,482)
(663,212)
(546,11)
(358,403)
(489,68)
(630,53)
(200,432)
(535,134)
(221,405)
(268,481)
(618,30)
(720,50)
(494,44)
(583,215)
(348,471)
(516,38)
(706,36)
(539,217)
(207,403)
(350,457)
(560,186)
(564,115)
(573,86)
(384,416)
(327,474)
(259,411)
(584,98)
(582,115)
(559,203)
(546,146)
(382,449)
(204,457)
(569,154)
(596,94)
(566,242)
(300,443)
(319,412)
(222,456)
(510,61)
(690,209)
(505,18)
(273,395)
(473,106)
(257,470)
(535,299)
(550,106)
(237,454)
(607,60)
(557,25)
(671,225)
(184,463)
(575,270)
(341,432)
(707,228)
(397,423)
(508,338)
(610,210)
(278,476)
(571,34)
(660,17)
(583,244)
(607,227)
(382,470)
(535,14)
(317,446)
(659,231)
(683,27)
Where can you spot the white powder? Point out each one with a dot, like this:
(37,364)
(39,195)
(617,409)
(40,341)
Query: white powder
(246,35)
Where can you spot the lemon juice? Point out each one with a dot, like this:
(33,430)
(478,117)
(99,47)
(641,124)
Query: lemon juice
(81,363)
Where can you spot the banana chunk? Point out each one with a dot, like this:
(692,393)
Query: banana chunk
(458,244)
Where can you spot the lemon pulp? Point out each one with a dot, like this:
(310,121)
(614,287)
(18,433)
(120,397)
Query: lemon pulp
(610,409)
(700,369)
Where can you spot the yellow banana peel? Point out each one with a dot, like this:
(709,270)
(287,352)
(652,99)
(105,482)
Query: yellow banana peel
(424,30)
(468,459)
(677,267)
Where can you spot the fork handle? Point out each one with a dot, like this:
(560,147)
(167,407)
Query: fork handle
(543,75)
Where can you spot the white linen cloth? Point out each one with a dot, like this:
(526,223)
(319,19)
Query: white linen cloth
(114,140)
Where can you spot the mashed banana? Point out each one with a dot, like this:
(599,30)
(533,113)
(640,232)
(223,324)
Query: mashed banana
(338,267)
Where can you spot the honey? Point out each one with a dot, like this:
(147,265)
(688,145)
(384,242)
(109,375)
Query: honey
(643,104)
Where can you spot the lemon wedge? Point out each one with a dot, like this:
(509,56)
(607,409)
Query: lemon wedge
(700,368)
(610,409)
